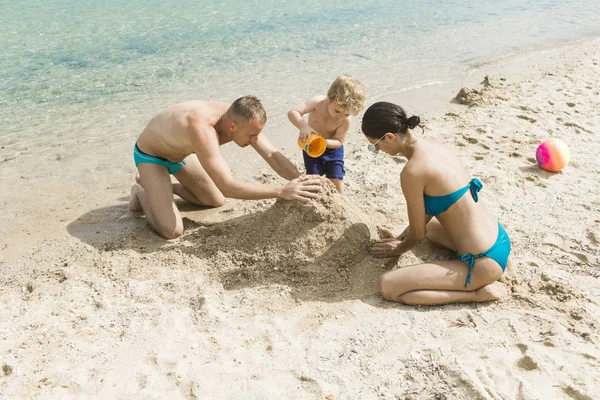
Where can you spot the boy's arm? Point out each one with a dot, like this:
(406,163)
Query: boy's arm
(206,146)
(340,135)
(296,113)
(275,159)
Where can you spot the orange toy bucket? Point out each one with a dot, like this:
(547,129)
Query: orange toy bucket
(314,145)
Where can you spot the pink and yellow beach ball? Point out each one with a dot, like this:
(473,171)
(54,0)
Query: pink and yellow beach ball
(553,155)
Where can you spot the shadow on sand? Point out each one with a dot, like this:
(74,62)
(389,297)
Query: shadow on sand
(240,258)
(115,228)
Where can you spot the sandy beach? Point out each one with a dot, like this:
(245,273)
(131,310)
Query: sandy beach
(278,300)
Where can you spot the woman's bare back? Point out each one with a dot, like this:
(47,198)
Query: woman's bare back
(469,224)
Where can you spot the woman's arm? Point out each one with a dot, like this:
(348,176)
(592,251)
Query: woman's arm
(413,187)
(386,233)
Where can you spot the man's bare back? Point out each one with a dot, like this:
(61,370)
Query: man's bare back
(184,140)
(169,135)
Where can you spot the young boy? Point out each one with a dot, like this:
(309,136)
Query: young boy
(330,116)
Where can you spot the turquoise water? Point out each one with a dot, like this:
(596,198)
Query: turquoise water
(62,60)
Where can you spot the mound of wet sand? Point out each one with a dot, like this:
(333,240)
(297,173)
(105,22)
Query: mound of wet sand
(317,247)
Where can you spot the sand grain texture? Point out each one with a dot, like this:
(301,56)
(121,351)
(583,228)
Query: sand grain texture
(277,299)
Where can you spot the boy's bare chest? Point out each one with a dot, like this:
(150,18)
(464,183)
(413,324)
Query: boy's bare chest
(325,125)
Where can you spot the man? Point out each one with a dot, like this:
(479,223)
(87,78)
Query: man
(184,141)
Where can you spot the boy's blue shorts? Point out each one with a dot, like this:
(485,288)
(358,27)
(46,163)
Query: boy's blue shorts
(330,163)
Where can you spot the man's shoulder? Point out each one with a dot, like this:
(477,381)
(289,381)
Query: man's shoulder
(203,112)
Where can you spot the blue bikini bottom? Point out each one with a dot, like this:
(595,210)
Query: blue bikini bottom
(499,252)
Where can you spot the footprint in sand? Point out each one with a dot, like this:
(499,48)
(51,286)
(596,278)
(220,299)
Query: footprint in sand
(526,118)
(189,389)
(142,380)
(577,127)
(309,384)
(470,139)
(532,178)
(565,245)
(522,347)
(594,236)
(558,291)
(589,357)
(575,394)
(527,363)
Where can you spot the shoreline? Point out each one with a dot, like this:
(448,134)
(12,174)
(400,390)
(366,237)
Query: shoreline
(249,304)
(437,99)
(430,102)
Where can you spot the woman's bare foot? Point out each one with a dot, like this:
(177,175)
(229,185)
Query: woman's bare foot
(491,292)
(134,201)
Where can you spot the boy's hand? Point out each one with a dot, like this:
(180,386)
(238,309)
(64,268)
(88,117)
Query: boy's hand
(304,133)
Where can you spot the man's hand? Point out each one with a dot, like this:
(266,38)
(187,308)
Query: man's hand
(303,188)
(385,248)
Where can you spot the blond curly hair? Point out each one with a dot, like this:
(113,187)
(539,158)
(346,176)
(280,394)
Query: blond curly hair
(348,93)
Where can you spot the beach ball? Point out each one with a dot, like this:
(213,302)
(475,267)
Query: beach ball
(553,155)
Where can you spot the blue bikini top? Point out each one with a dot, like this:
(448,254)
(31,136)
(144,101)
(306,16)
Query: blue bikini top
(435,205)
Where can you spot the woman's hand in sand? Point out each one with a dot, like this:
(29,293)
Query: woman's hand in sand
(303,188)
(387,233)
(385,248)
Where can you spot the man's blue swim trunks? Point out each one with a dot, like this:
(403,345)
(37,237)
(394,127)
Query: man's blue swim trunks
(141,157)
(330,163)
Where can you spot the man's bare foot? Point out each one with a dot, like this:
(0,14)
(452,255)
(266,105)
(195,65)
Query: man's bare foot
(134,201)
(493,291)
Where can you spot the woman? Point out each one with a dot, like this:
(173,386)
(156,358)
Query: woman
(442,203)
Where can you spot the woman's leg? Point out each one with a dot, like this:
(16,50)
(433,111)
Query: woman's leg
(491,292)
(442,282)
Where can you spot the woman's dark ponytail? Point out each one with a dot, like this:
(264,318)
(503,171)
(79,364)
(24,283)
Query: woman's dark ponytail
(413,122)
(383,117)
